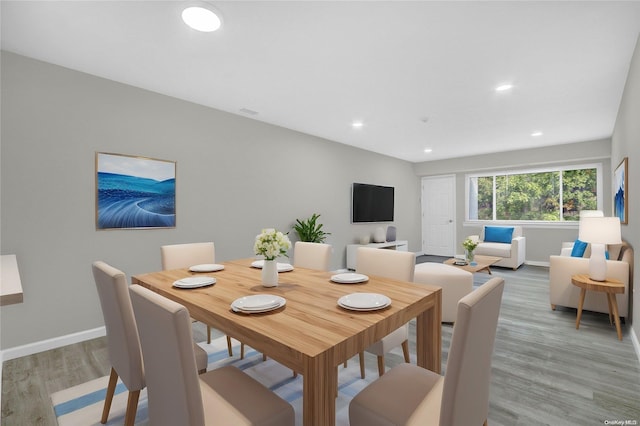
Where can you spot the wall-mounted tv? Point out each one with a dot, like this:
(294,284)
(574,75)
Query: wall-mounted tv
(371,203)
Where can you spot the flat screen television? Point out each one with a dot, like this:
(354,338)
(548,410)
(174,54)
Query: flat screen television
(371,203)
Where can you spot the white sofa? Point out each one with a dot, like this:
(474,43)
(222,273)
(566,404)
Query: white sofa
(512,254)
(563,293)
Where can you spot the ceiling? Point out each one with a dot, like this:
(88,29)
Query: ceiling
(418,74)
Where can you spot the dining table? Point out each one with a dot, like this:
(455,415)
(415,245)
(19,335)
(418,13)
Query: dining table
(311,334)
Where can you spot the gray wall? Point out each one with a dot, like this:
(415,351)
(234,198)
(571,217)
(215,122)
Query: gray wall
(625,143)
(541,241)
(234,177)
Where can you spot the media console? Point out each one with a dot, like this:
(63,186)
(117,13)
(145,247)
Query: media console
(389,245)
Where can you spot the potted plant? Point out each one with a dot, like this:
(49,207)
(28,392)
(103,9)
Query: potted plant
(469,246)
(310,230)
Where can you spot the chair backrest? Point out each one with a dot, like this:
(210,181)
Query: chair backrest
(465,395)
(176,256)
(394,264)
(123,342)
(311,255)
(173,386)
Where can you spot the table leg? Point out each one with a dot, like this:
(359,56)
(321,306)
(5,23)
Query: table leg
(613,303)
(610,309)
(320,379)
(583,293)
(429,336)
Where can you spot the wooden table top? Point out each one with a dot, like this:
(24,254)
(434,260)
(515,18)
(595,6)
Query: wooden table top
(310,323)
(611,285)
(483,262)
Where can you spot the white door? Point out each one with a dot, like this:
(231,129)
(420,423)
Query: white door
(439,215)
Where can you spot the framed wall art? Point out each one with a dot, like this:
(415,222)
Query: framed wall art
(134,192)
(621,191)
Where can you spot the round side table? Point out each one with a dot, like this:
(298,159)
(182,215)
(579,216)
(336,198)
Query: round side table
(610,286)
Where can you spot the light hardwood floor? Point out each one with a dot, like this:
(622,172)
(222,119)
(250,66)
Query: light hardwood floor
(544,371)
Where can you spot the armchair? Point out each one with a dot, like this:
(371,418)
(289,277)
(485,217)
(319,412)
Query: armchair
(496,241)
(563,293)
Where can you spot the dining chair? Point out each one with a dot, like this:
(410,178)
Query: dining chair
(311,255)
(176,256)
(123,343)
(397,265)
(412,395)
(178,396)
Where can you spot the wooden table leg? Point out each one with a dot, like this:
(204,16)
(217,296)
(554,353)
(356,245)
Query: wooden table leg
(613,303)
(583,293)
(429,336)
(320,379)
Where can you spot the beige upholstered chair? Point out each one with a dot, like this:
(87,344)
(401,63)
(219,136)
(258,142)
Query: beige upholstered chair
(411,395)
(397,265)
(312,255)
(177,395)
(123,343)
(176,256)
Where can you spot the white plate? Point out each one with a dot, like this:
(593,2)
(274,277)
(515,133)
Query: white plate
(364,301)
(349,278)
(282,267)
(194,282)
(207,267)
(258,303)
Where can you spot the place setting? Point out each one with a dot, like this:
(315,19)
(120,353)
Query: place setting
(349,278)
(194,282)
(257,303)
(364,301)
(206,267)
(282,267)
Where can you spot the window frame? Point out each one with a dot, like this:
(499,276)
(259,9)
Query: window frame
(533,223)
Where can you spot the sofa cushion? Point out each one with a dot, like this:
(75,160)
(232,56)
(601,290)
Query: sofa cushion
(494,249)
(578,248)
(498,234)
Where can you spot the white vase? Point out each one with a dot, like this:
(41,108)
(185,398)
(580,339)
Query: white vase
(379,235)
(270,273)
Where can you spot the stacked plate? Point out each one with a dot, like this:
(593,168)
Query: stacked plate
(282,267)
(349,278)
(258,303)
(206,267)
(194,282)
(364,301)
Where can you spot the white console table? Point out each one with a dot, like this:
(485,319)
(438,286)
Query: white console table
(389,245)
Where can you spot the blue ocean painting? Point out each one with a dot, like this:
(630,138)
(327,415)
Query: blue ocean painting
(126,201)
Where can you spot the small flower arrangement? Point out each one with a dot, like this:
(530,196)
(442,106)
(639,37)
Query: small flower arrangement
(271,244)
(469,244)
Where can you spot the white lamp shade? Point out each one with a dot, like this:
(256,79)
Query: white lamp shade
(600,230)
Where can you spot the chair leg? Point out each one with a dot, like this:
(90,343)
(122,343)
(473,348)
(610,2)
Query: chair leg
(132,408)
(485,423)
(229,346)
(380,365)
(111,388)
(208,334)
(241,350)
(264,357)
(345,364)
(405,351)
(361,357)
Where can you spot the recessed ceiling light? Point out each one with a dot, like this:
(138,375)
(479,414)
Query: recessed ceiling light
(428,150)
(504,87)
(357,124)
(201,19)
(536,134)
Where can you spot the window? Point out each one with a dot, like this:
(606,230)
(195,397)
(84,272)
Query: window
(541,195)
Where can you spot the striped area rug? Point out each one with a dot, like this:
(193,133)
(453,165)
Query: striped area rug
(82,404)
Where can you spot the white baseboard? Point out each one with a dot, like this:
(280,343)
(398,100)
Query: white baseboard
(56,342)
(636,343)
(536,263)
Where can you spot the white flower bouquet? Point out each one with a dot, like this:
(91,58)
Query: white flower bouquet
(271,244)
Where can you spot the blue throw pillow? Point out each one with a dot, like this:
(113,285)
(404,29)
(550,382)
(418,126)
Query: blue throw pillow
(578,248)
(498,234)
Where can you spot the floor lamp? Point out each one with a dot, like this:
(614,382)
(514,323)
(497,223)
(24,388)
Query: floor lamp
(599,231)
